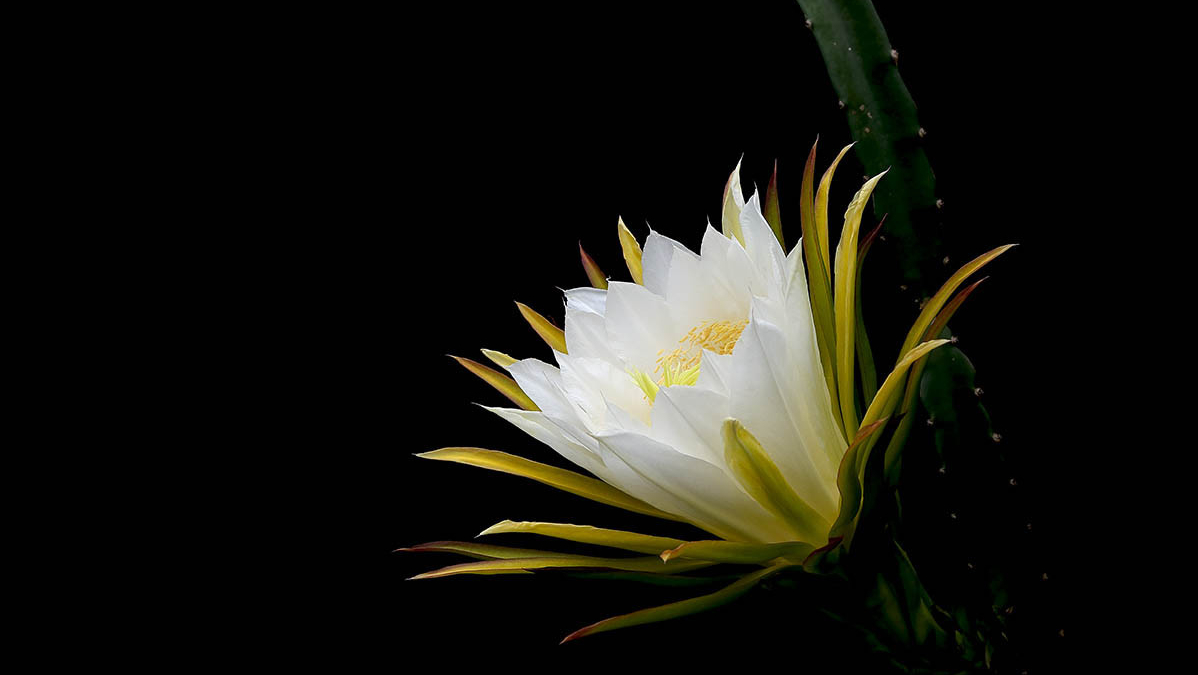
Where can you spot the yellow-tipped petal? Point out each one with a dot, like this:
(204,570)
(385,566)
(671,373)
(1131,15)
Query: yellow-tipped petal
(585,534)
(561,479)
(734,203)
(932,307)
(651,564)
(632,252)
(551,334)
(821,210)
(759,476)
(506,385)
(740,553)
(596,276)
(677,609)
(845,302)
(498,358)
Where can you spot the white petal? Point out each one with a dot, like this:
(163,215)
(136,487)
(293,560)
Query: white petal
(543,384)
(586,452)
(639,324)
(688,419)
(586,335)
(767,393)
(537,425)
(709,497)
(655,261)
(589,299)
(594,385)
(760,243)
(696,296)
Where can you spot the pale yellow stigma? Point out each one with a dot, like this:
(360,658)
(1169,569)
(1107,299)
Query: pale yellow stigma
(681,365)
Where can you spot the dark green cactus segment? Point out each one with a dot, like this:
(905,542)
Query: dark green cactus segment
(882,119)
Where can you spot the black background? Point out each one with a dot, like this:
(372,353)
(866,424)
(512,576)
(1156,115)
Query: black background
(473,147)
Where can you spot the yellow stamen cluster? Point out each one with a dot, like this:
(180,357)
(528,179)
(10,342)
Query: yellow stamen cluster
(681,365)
(716,336)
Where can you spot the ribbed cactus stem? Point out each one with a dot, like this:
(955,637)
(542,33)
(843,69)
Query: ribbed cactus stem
(882,118)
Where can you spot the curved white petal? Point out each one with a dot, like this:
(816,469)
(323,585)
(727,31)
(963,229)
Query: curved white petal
(656,260)
(760,242)
(586,334)
(594,384)
(689,420)
(766,393)
(709,497)
(639,324)
(586,298)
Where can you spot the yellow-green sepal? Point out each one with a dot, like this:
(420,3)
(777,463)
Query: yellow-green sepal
(595,275)
(821,210)
(679,609)
(504,384)
(498,358)
(586,534)
(771,209)
(551,334)
(932,307)
(562,479)
(819,281)
(632,252)
(845,302)
(735,552)
(849,483)
(865,355)
(479,551)
(651,564)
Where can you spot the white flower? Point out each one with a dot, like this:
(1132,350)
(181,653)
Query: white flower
(658,375)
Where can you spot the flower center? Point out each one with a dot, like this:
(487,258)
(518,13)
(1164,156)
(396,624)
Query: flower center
(681,365)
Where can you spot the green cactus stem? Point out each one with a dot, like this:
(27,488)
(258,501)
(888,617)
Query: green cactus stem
(882,117)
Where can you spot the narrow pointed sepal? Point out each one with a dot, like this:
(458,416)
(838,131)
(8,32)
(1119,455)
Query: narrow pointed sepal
(865,355)
(819,283)
(736,552)
(933,330)
(734,203)
(649,564)
(678,609)
(884,402)
(932,307)
(595,275)
(562,479)
(763,481)
(585,534)
(502,383)
(498,358)
(888,397)
(821,208)
(772,209)
(632,252)
(849,483)
(845,302)
(473,549)
(551,334)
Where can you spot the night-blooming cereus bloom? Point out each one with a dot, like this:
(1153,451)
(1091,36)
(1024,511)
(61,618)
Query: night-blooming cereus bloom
(717,389)
(655,375)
